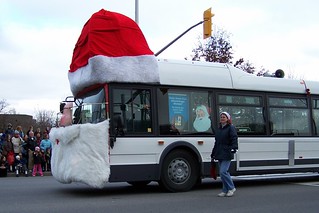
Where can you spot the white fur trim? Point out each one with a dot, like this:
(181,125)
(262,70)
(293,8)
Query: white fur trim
(80,154)
(102,69)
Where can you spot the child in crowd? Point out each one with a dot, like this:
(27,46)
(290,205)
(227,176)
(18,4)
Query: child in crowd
(3,166)
(37,160)
(21,166)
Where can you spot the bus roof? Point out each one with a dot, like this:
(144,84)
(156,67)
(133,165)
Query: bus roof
(218,75)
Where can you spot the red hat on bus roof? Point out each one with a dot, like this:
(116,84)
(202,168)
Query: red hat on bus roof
(111,48)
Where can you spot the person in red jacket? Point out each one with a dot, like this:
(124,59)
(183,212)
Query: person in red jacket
(8,151)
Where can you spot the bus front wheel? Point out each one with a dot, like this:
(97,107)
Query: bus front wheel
(180,171)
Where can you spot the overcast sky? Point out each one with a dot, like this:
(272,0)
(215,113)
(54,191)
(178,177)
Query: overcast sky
(37,39)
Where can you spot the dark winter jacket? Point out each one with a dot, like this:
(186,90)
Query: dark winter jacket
(37,158)
(226,139)
(31,144)
(7,147)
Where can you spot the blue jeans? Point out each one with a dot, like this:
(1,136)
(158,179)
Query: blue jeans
(225,176)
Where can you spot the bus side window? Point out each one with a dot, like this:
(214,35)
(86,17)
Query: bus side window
(315,105)
(289,116)
(247,113)
(133,107)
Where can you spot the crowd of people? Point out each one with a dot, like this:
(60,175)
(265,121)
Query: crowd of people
(24,153)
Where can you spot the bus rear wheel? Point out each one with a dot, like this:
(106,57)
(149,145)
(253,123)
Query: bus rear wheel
(180,171)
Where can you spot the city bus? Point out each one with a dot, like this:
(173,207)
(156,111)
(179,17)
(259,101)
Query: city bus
(165,132)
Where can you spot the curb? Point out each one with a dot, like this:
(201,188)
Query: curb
(12,174)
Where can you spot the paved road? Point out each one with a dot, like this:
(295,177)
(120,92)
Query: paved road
(266,194)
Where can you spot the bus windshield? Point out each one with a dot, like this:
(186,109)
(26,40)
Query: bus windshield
(91,108)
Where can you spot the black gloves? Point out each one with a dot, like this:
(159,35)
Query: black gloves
(212,156)
(213,162)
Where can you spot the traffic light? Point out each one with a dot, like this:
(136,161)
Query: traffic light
(207,25)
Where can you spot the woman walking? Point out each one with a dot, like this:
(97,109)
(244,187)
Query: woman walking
(226,145)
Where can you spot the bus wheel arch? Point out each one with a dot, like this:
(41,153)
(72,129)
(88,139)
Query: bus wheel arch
(179,170)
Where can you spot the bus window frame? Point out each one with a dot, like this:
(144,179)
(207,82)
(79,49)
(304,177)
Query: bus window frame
(153,108)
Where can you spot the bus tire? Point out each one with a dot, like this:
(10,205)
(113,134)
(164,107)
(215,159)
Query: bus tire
(180,171)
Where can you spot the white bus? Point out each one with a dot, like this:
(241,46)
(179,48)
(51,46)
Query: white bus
(165,132)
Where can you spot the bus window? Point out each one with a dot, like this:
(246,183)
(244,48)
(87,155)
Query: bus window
(289,116)
(315,105)
(246,111)
(183,112)
(90,109)
(92,113)
(133,106)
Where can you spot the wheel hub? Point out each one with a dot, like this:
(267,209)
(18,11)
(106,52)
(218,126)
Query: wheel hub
(178,171)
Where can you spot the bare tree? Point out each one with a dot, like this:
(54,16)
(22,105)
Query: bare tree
(218,48)
(4,107)
(262,71)
(245,65)
(44,118)
(293,75)
(215,49)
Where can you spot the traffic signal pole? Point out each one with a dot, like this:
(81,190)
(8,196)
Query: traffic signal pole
(207,29)
(172,42)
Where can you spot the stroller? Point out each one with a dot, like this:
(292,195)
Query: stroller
(20,166)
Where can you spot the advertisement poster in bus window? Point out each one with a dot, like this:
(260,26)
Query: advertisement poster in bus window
(202,121)
(178,110)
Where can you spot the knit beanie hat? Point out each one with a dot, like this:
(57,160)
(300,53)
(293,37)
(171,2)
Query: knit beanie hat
(227,115)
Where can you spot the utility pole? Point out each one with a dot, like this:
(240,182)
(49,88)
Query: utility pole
(136,11)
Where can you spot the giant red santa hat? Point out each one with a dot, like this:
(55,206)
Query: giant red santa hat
(111,48)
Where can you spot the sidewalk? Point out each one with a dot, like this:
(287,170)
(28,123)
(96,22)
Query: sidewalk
(12,174)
